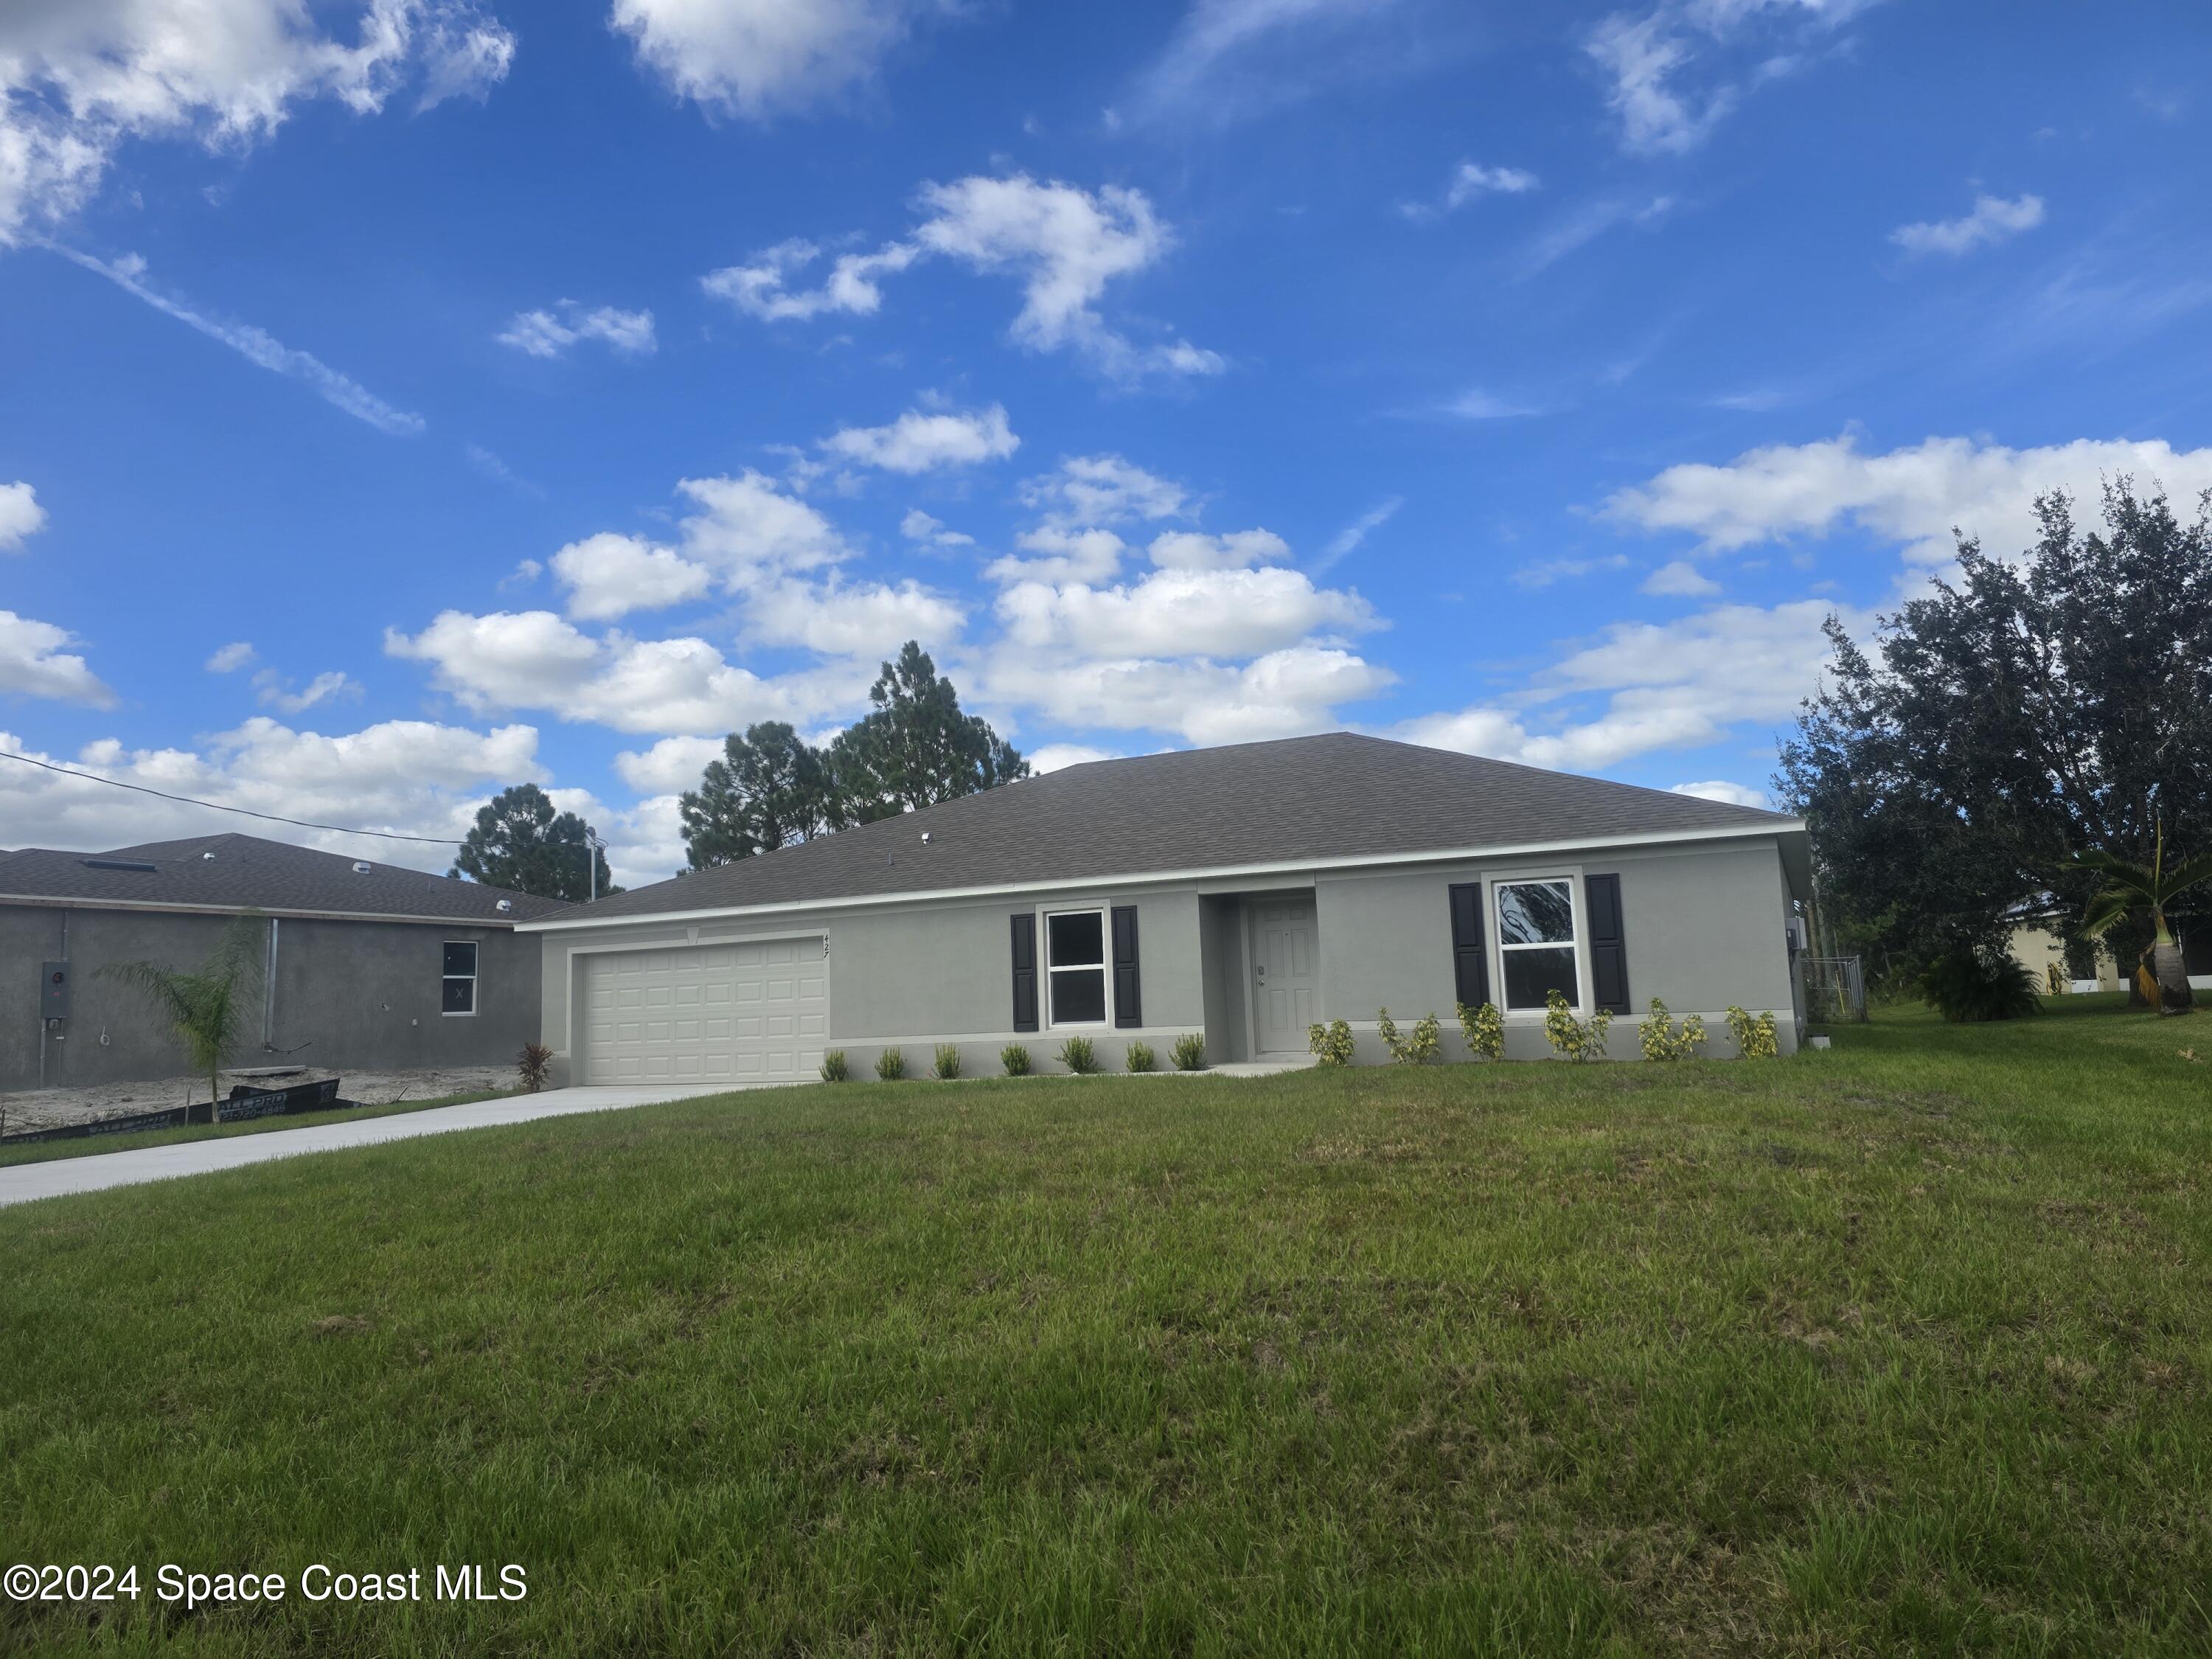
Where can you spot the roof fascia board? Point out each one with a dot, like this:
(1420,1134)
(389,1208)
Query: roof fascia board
(49,901)
(1157,878)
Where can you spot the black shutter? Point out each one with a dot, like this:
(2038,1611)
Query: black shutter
(1025,985)
(1470,962)
(1608,950)
(1128,1007)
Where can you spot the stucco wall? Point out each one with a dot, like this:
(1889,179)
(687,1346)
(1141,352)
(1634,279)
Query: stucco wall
(1704,926)
(358,993)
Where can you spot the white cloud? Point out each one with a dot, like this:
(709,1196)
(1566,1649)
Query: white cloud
(762,288)
(1472,179)
(923,442)
(80,77)
(1992,220)
(1348,540)
(761,57)
(1064,244)
(1680,579)
(33,664)
(21,515)
(1179,613)
(413,777)
(551,333)
(1206,69)
(1476,404)
(1578,226)
(750,530)
(1911,497)
(534,659)
(609,575)
(277,692)
(918,526)
(1089,490)
(850,619)
(1732,794)
(259,348)
(229,658)
(1280,694)
(1062,556)
(1190,550)
(669,767)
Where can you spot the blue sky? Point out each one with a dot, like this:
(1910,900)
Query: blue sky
(408,398)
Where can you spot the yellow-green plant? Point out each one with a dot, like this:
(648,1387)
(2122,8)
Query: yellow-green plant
(1755,1039)
(948,1061)
(1578,1039)
(1484,1027)
(1664,1039)
(1141,1058)
(834,1069)
(1421,1048)
(890,1065)
(1333,1042)
(1189,1052)
(1015,1057)
(1386,1029)
(1078,1056)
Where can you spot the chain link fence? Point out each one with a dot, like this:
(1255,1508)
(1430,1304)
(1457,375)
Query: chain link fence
(1835,991)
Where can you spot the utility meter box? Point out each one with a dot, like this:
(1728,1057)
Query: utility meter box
(54,990)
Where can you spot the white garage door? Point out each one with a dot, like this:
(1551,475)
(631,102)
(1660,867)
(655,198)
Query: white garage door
(707,1013)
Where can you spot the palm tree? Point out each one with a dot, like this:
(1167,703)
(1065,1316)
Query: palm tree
(206,1008)
(2131,887)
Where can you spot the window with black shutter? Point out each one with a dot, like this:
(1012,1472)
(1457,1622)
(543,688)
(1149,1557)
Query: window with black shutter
(1470,962)
(1025,977)
(1609,946)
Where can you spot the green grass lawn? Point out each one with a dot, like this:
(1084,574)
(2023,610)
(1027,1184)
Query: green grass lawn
(1903,1347)
(43,1151)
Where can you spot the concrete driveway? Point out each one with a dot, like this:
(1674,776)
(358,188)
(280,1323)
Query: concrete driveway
(95,1170)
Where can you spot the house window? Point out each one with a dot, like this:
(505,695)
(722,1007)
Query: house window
(460,986)
(1075,966)
(1536,942)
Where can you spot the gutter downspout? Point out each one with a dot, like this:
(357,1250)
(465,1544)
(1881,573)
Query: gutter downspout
(269,988)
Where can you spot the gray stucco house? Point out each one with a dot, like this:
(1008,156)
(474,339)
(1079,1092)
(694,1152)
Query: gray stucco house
(366,965)
(1242,892)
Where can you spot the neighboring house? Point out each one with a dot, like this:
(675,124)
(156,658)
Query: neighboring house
(1242,892)
(365,964)
(2043,953)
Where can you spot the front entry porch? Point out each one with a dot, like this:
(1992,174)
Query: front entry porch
(1260,961)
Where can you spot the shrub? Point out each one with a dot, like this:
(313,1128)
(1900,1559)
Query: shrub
(1484,1027)
(1333,1042)
(1141,1058)
(1664,1039)
(834,1069)
(1077,1055)
(1016,1058)
(530,1065)
(1972,986)
(948,1061)
(890,1065)
(1386,1029)
(1578,1039)
(1755,1039)
(1422,1048)
(1189,1052)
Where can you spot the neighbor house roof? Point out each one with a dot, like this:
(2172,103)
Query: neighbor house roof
(233,872)
(1338,797)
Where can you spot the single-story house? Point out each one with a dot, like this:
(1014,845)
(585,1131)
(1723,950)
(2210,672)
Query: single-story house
(1243,893)
(364,964)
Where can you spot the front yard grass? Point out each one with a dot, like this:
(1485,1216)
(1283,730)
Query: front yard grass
(1901,1347)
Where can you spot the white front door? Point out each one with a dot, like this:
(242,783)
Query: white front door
(1286,973)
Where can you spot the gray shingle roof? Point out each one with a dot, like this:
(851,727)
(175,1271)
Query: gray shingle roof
(1320,799)
(247,872)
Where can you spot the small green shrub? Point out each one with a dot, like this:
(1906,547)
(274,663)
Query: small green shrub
(1333,1042)
(1484,1027)
(1078,1056)
(1427,1041)
(1386,1029)
(1664,1039)
(1755,1039)
(1969,986)
(834,1069)
(1189,1052)
(948,1061)
(890,1065)
(531,1067)
(1016,1058)
(1141,1058)
(1578,1039)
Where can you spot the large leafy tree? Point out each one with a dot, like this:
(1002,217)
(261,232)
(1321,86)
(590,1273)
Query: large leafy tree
(520,840)
(916,748)
(2015,717)
(770,787)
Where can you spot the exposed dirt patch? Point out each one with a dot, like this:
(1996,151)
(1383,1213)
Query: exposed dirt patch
(53,1109)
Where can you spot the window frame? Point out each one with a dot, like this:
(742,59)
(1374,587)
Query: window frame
(1104,967)
(474,979)
(1578,911)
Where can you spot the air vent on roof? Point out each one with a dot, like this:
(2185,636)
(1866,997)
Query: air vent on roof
(504,905)
(119,864)
(360,866)
(207,858)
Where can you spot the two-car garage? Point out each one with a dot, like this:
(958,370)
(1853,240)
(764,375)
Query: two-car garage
(755,1012)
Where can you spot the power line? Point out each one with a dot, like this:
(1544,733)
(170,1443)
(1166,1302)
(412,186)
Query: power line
(217,807)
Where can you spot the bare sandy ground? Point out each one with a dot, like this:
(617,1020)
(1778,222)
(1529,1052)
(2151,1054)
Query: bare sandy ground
(51,1108)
